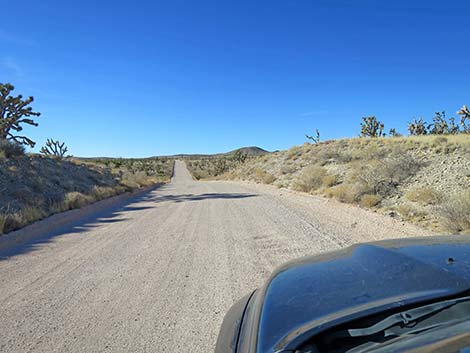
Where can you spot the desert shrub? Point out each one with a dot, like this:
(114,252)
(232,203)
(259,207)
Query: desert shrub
(369,200)
(104,192)
(410,212)
(293,153)
(343,192)
(2,223)
(12,221)
(76,199)
(31,214)
(439,140)
(288,168)
(269,178)
(135,180)
(369,151)
(327,154)
(11,149)
(311,178)
(454,212)
(423,195)
(344,157)
(330,180)
(381,177)
(262,176)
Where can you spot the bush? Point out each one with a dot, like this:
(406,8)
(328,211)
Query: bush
(262,176)
(410,212)
(10,149)
(455,213)
(343,193)
(330,180)
(311,179)
(135,180)
(76,199)
(382,177)
(2,223)
(369,200)
(30,214)
(423,195)
(104,192)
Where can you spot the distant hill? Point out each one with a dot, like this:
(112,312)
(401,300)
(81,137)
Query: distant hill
(251,151)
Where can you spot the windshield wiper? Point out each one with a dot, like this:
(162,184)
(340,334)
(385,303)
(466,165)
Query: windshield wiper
(405,317)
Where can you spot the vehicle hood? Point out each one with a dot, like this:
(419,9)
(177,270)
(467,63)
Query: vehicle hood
(312,294)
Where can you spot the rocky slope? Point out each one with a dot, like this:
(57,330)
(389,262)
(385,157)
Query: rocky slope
(424,179)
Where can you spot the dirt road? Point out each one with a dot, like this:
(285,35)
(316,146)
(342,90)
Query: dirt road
(157,273)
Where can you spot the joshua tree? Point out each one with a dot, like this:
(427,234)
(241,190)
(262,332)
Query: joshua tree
(371,127)
(14,112)
(417,127)
(439,125)
(394,133)
(54,148)
(464,113)
(316,138)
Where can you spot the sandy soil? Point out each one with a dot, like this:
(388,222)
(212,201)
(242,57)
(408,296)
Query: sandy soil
(157,272)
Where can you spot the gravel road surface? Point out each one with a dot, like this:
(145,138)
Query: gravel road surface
(158,272)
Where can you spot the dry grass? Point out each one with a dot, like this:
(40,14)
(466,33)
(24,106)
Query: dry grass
(455,213)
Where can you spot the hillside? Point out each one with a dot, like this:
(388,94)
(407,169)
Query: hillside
(422,179)
(34,187)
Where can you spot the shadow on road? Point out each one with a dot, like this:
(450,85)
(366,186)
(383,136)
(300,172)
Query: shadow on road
(35,236)
(199,197)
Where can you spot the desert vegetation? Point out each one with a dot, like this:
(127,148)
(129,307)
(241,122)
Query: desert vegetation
(34,186)
(423,178)
(206,167)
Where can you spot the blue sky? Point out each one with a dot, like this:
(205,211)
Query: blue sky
(142,78)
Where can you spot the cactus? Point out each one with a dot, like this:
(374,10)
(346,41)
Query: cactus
(14,112)
(417,127)
(315,139)
(371,127)
(54,148)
